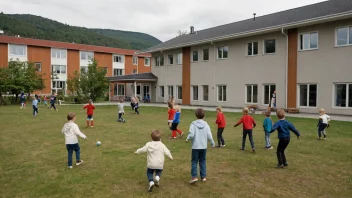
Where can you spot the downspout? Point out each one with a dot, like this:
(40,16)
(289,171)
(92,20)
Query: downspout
(214,86)
(166,89)
(286,67)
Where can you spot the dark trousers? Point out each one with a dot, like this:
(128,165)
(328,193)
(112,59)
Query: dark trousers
(35,110)
(136,109)
(150,173)
(199,156)
(321,129)
(221,140)
(283,143)
(120,116)
(244,136)
(53,106)
(70,149)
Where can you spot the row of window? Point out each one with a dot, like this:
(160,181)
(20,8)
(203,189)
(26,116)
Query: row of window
(308,94)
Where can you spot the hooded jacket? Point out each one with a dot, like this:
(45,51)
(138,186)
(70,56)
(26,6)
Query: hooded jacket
(200,134)
(71,130)
(155,154)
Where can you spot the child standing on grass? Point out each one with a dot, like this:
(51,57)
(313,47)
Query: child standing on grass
(248,125)
(283,127)
(221,122)
(267,125)
(155,158)
(45,103)
(132,103)
(323,123)
(71,130)
(90,110)
(52,102)
(199,133)
(120,107)
(22,100)
(171,111)
(136,105)
(175,123)
(35,106)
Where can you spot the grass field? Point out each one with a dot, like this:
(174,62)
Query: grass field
(34,158)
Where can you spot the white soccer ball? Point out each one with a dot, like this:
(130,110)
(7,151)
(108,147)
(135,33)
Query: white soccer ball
(98,143)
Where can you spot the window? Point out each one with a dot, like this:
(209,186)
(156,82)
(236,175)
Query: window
(120,89)
(135,60)
(59,69)
(157,61)
(118,72)
(58,53)
(162,61)
(58,84)
(19,50)
(252,94)
(170,59)
(344,36)
(87,55)
(194,92)
(118,59)
(161,91)
(205,92)
(179,92)
(170,90)
(84,69)
(38,66)
(223,52)
(269,46)
(134,71)
(195,56)
(343,95)
(147,61)
(309,41)
(115,89)
(205,54)
(252,48)
(268,93)
(222,93)
(138,89)
(308,95)
(179,59)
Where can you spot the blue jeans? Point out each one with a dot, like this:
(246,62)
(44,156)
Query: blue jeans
(35,110)
(199,155)
(150,173)
(70,149)
(267,140)
(250,134)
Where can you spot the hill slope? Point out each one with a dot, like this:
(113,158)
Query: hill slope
(42,28)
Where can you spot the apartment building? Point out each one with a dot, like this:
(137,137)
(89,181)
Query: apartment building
(65,58)
(304,54)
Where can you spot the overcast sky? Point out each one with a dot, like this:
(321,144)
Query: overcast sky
(159,18)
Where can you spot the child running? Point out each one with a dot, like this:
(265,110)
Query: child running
(171,111)
(90,110)
(22,100)
(120,107)
(155,158)
(45,102)
(71,130)
(323,123)
(175,123)
(52,102)
(248,125)
(283,127)
(35,106)
(199,133)
(221,122)
(267,125)
(136,105)
(132,103)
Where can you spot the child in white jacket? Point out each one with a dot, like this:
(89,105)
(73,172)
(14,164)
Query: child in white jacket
(71,130)
(155,158)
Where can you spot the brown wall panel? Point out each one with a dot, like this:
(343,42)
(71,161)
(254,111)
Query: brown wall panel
(292,69)
(141,67)
(186,75)
(72,62)
(3,55)
(42,55)
(129,67)
(104,60)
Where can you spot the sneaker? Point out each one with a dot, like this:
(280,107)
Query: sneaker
(285,164)
(57,110)
(79,162)
(182,134)
(204,179)
(218,146)
(223,146)
(70,167)
(151,186)
(324,138)
(279,166)
(157,181)
(193,180)
(270,148)
(241,149)
(91,126)
(253,150)
(173,137)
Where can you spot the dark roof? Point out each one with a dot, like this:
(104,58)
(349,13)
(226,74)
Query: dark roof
(284,19)
(134,77)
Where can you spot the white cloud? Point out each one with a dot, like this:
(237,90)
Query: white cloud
(160,18)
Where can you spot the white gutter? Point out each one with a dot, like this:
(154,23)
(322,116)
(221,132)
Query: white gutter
(286,67)
(247,33)
(214,86)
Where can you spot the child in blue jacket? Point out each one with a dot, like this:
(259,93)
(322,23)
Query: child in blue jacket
(267,125)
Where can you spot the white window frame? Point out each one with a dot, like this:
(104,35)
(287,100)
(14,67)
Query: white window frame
(347,95)
(222,52)
(84,67)
(14,45)
(252,43)
(299,95)
(300,48)
(119,59)
(145,59)
(168,59)
(62,82)
(118,89)
(204,53)
(135,60)
(194,61)
(36,64)
(87,53)
(61,70)
(192,92)
(203,93)
(161,91)
(177,92)
(270,91)
(162,60)
(157,61)
(348,36)
(168,91)
(251,102)
(264,51)
(217,93)
(179,59)
(120,72)
(59,53)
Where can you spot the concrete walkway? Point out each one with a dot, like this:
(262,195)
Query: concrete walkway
(299,115)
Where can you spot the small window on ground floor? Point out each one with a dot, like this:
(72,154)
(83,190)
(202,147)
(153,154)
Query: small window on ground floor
(161,91)
(205,89)
(120,89)
(308,95)
(222,93)
(195,92)
(343,95)
(179,92)
(251,94)
(170,91)
(268,93)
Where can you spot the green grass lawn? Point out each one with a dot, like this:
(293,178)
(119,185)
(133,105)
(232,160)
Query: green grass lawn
(34,158)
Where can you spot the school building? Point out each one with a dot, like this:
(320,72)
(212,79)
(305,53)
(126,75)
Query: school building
(305,54)
(65,58)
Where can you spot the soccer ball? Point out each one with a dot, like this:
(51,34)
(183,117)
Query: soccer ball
(98,143)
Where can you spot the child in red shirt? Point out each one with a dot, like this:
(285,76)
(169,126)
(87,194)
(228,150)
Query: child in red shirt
(90,108)
(171,111)
(221,122)
(248,125)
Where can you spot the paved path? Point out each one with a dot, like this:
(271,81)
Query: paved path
(300,115)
